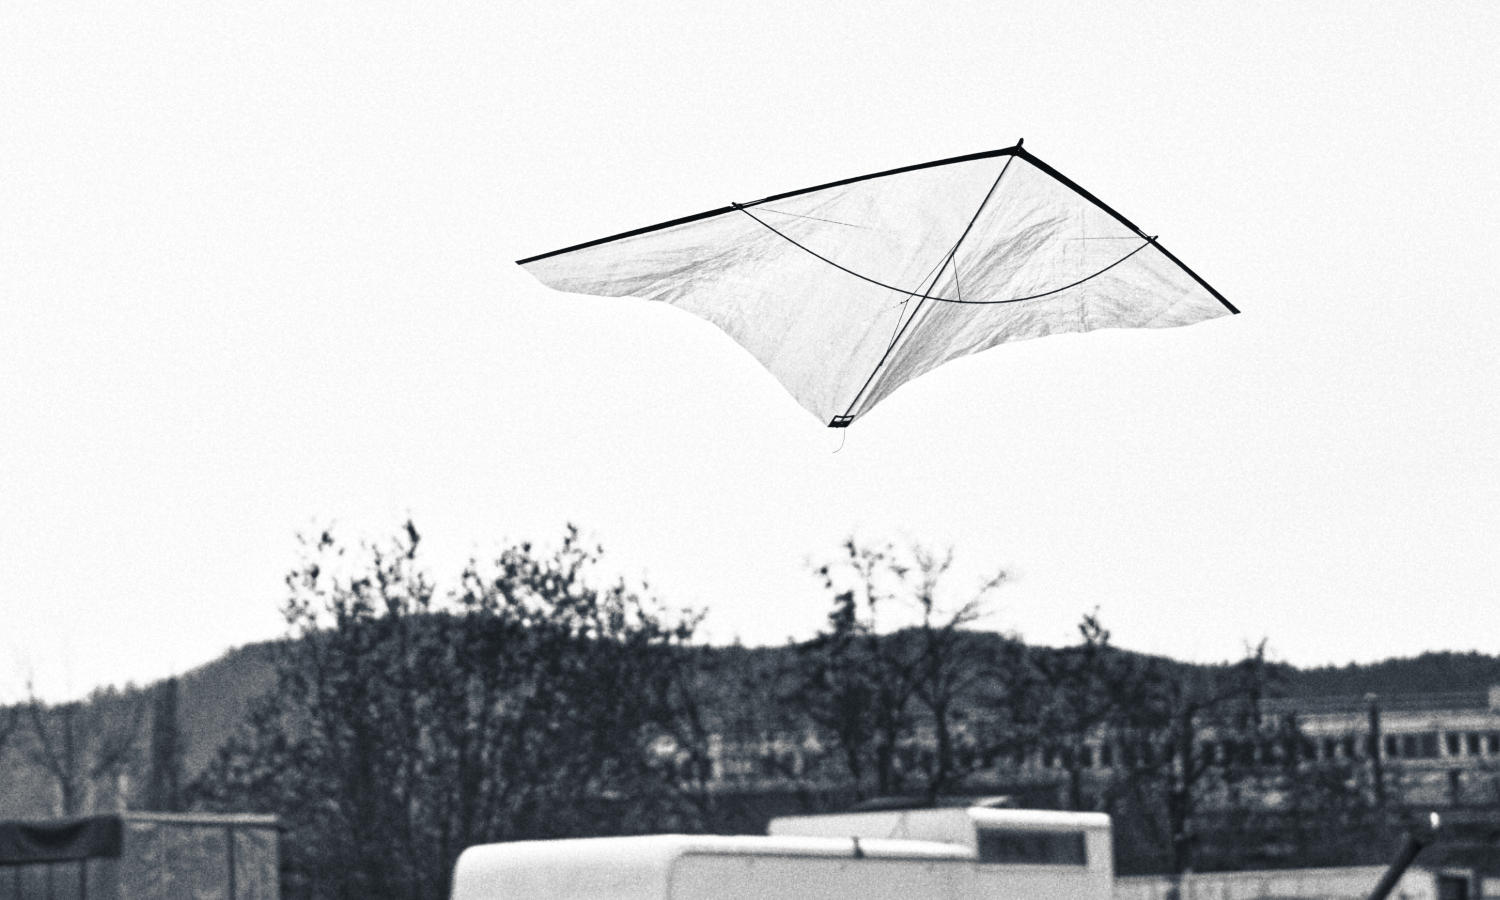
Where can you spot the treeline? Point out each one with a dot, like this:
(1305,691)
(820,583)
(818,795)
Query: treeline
(532,699)
(1427,673)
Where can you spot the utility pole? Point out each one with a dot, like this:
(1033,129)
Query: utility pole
(1376,769)
(164,772)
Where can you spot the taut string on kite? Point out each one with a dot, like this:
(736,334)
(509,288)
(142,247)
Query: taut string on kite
(931,277)
(923,293)
(782,212)
(1148,242)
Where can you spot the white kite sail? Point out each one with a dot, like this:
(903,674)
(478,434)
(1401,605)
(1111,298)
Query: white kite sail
(848,290)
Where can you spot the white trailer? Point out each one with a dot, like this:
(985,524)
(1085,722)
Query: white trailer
(1016,852)
(930,854)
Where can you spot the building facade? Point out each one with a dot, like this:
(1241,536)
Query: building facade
(1438,750)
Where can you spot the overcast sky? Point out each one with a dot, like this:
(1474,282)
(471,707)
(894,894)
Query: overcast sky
(256,278)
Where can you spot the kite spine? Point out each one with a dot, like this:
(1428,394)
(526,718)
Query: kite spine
(848,416)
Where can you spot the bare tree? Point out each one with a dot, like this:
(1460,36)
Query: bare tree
(836,689)
(1174,726)
(950,669)
(1069,697)
(85,745)
(864,684)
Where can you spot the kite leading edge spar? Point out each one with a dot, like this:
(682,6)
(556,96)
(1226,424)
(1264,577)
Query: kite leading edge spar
(847,290)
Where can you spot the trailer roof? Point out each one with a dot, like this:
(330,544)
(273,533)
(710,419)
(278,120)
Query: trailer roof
(639,868)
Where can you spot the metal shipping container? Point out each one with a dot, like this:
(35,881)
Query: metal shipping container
(141,856)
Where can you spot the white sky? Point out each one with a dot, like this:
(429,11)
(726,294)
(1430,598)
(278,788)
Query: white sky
(256,277)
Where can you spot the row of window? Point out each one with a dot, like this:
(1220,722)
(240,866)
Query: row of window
(1457,743)
(1418,745)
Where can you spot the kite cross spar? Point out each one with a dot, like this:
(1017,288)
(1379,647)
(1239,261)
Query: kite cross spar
(847,290)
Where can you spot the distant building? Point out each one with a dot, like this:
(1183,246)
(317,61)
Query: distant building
(1438,750)
(1433,749)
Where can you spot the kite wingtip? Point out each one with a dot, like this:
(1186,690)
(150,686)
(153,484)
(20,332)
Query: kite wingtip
(840,421)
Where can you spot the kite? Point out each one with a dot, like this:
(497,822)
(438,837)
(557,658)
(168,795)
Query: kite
(847,290)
